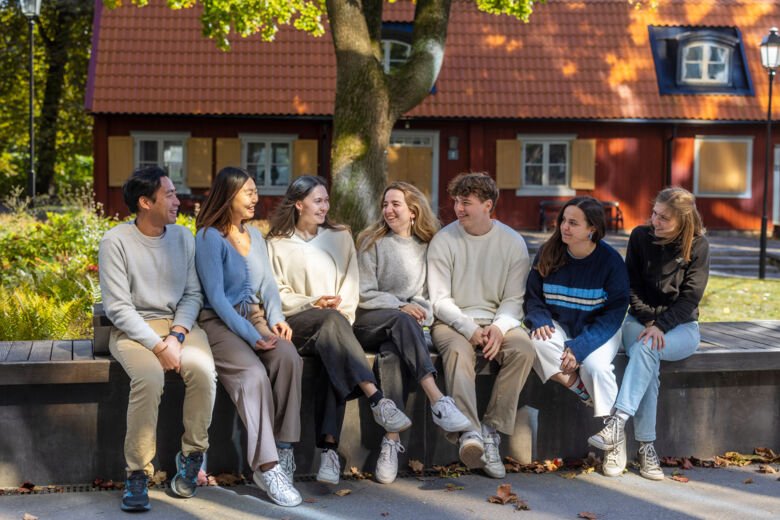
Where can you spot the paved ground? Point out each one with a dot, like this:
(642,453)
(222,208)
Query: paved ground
(710,494)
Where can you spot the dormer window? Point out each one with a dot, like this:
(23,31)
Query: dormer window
(394,54)
(705,63)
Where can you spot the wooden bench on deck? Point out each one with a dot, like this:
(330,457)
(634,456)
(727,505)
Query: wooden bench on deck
(63,408)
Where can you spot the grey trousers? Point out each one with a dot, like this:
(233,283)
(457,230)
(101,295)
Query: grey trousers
(459,357)
(264,385)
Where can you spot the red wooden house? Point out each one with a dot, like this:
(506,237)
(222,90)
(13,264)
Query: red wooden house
(590,97)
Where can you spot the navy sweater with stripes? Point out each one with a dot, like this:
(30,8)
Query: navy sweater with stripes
(588,297)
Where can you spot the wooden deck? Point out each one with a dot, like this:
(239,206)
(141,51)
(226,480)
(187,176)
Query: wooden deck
(725,347)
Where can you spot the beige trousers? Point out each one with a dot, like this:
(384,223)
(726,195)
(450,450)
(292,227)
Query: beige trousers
(264,385)
(459,357)
(147,380)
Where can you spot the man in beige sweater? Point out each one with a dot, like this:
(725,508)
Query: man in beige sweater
(477,268)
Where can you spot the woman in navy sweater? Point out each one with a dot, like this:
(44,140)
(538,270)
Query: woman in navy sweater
(575,302)
(668,266)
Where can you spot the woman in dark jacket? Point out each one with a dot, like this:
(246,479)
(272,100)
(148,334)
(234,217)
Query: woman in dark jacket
(668,266)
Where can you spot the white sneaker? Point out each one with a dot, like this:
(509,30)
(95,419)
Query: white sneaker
(330,468)
(287,462)
(388,416)
(611,435)
(471,449)
(649,466)
(447,416)
(275,484)
(492,457)
(614,461)
(387,464)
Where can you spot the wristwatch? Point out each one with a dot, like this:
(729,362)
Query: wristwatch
(177,335)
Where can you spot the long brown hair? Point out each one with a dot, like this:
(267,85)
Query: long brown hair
(285,216)
(216,209)
(682,203)
(553,253)
(424,223)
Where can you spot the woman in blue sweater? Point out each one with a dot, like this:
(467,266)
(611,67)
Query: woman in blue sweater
(575,301)
(668,265)
(256,362)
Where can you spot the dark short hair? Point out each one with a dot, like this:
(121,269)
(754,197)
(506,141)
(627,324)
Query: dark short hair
(144,182)
(474,183)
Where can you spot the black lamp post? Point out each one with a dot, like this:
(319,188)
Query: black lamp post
(31,9)
(770,59)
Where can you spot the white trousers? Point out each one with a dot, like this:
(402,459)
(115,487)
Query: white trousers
(596,371)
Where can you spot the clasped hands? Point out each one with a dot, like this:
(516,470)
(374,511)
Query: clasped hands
(490,339)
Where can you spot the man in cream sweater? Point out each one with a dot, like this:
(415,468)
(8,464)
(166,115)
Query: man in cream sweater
(477,268)
(152,296)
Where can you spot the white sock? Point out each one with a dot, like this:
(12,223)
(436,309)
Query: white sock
(622,415)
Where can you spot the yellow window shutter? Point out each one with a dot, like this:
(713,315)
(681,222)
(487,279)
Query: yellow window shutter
(120,159)
(199,158)
(397,159)
(509,153)
(304,157)
(228,152)
(723,166)
(583,164)
(419,165)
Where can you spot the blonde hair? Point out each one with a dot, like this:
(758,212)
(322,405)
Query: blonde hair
(682,204)
(424,223)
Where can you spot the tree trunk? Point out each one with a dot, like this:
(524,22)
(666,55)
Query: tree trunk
(369,102)
(56,39)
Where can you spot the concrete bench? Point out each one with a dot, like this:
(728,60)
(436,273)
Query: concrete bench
(63,410)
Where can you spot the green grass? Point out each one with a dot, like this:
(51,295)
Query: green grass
(740,299)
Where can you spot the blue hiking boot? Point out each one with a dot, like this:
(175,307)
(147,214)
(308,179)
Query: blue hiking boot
(136,496)
(185,482)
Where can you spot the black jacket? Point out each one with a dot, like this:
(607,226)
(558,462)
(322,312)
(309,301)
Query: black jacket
(664,288)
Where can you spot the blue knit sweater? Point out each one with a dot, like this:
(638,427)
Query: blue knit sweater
(229,279)
(587,297)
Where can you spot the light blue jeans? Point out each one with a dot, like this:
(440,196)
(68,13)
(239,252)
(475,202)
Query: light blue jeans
(638,394)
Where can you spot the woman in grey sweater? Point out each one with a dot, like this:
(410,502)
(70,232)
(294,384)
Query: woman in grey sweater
(394,307)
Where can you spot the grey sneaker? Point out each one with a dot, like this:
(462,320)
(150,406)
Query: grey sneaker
(614,461)
(185,482)
(649,466)
(388,416)
(387,464)
(492,457)
(275,484)
(287,462)
(611,435)
(330,468)
(471,449)
(447,416)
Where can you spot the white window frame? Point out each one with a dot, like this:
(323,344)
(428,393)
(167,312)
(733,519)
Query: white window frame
(387,63)
(160,137)
(749,166)
(267,140)
(704,63)
(547,191)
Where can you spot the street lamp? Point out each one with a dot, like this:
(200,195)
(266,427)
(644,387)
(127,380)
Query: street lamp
(770,60)
(31,9)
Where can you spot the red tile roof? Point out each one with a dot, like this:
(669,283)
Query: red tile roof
(587,59)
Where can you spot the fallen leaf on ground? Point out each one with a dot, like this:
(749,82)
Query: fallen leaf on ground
(28,516)
(212,481)
(686,464)
(385,514)
(343,492)
(768,454)
(569,475)
(452,487)
(158,478)
(670,461)
(105,484)
(680,478)
(416,466)
(588,470)
(766,468)
(228,480)
(357,474)
(453,470)
(522,505)
(310,500)
(588,515)
(747,481)
(503,495)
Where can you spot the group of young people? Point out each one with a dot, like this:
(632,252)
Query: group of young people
(232,305)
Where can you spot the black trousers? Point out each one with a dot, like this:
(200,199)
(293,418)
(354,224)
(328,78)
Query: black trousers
(394,334)
(327,334)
